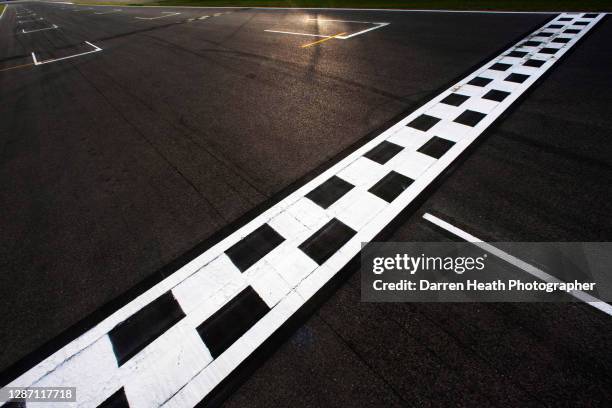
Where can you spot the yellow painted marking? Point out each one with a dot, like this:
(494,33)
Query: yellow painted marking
(323,40)
(17,66)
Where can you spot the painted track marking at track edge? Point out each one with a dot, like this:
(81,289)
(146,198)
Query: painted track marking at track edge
(530,269)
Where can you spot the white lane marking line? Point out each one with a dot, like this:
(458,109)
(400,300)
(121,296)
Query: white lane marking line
(95,49)
(295,218)
(167,14)
(53,27)
(294,33)
(340,37)
(109,12)
(29,21)
(203,17)
(4,10)
(377,26)
(512,260)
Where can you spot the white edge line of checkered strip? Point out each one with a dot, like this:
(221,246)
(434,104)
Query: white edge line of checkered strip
(177,369)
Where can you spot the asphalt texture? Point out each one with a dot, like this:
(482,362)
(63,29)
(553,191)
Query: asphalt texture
(543,174)
(118,162)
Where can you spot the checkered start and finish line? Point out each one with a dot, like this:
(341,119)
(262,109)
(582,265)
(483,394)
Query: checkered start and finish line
(173,344)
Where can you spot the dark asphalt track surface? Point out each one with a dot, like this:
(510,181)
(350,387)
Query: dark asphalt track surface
(116,163)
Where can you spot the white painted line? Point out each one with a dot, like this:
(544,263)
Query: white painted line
(168,14)
(340,37)
(53,27)
(377,26)
(95,49)
(286,277)
(294,33)
(512,260)
(203,17)
(29,21)
(3,10)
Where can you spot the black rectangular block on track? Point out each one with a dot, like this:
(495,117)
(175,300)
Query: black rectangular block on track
(470,118)
(534,63)
(327,241)
(454,99)
(329,192)
(254,246)
(144,326)
(480,81)
(518,78)
(229,323)
(384,152)
(117,400)
(436,147)
(496,95)
(423,122)
(499,66)
(390,186)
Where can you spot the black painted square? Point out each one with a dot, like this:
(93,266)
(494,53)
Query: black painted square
(143,327)
(455,99)
(549,51)
(480,81)
(555,26)
(327,241)
(560,40)
(580,23)
(470,118)
(516,54)
(572,31)
(590,15)
(423,122)
(384,152)
(496,95)
(518,78)
(499,66)
(436,147)
(534,63)
(232,321)
(329,192)
(545,34)
(390,186)
(531,44)
(117,400)
(565,19)
(254,246)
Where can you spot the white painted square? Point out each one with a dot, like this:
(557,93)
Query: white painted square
(452,131)
(291,263)
(287,225)
(411,163)
(365,207)
(205,283)
(267,282)
(308,213)
(472,90)
(480,105)
(175,358)
(93,371)
(408,137)
(444,111)
(362,172)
